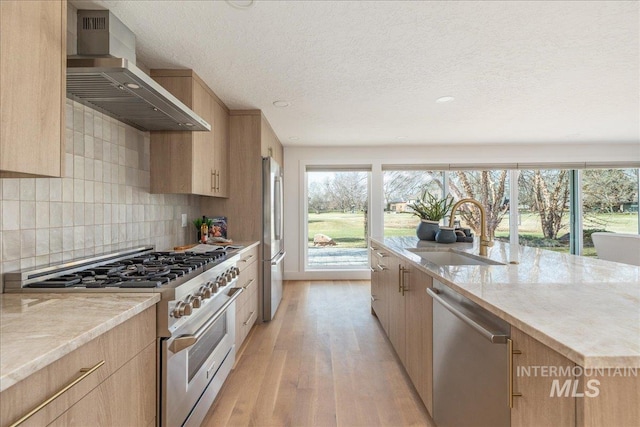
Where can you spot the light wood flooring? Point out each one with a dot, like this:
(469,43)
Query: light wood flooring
(323,361)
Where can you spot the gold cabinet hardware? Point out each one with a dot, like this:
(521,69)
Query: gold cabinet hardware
(382,267)
(85,373)
(403,271)
(249,319)
(213,179)
(249,283)
(511,394)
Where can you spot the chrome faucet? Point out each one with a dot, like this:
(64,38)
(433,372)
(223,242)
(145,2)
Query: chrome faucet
(485,240)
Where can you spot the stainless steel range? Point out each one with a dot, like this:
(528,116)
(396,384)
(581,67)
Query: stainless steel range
(195,317)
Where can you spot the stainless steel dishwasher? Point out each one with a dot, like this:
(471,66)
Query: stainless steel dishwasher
(470,363)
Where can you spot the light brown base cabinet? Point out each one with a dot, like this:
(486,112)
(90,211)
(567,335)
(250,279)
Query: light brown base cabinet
(602,399)
(405,311)
(121,391)
(247,302)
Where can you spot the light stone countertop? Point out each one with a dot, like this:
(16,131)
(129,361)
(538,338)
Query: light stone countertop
(36,329)
(585,309)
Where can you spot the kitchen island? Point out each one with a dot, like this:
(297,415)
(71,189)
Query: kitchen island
(575,323)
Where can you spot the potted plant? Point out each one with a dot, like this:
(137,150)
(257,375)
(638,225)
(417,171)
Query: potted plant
(431,210)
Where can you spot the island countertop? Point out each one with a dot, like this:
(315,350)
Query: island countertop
(36,329)
(586,309)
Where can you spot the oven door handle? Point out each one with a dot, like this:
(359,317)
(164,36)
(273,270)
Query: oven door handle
(187,340)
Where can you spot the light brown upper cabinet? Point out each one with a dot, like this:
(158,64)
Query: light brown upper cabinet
(33,43)
(192,162)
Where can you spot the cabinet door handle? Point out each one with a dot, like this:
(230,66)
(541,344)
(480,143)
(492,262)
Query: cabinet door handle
(403,271)
(382,267)
(249,283)
(373,270)
(511,394)
(246,259)
(85,373)
(381,254)
(218,181)
(249,319)
(213,178)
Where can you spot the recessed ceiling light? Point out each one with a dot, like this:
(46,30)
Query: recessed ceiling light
(132,86)
(444,99)
(294,138)
(240,4)
(281,104)
(402,137)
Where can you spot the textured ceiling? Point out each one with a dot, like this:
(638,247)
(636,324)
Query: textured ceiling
(369,72)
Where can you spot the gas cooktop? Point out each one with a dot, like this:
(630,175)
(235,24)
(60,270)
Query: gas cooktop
(138,270)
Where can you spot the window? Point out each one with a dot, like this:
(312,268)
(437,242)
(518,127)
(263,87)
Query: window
(337,218)
(401,187)
(491,189)
(609,203)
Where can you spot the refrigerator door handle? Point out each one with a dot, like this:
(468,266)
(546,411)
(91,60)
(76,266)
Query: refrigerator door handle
(278,208)
(279,258)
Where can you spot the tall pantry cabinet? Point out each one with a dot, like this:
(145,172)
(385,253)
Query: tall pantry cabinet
(33,53)
(251,138)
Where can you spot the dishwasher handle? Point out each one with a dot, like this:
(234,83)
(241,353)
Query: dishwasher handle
(489,335)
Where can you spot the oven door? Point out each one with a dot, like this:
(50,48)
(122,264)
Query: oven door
(195,364)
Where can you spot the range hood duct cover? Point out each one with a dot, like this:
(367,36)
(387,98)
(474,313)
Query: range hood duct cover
(116,87)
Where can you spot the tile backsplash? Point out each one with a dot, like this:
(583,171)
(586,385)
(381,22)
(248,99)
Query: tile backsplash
(101,205)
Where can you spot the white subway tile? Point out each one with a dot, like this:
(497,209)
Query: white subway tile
(42,242)
(10,246)
(55,240)
(11,189)
(42,215)
(27,189)
(42,189)
(55,214)
(27,243)
(27,215)
(10,215)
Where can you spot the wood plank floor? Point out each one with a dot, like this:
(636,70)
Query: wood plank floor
(323,361)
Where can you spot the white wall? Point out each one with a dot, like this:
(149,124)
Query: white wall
(451,156)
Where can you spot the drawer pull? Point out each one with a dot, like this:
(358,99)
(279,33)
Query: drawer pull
(249,283)
(246,259)
(249,319)
(85,373)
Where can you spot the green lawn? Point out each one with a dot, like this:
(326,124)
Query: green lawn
(347,229)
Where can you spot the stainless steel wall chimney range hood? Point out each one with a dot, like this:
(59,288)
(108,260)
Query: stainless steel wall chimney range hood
(104,76)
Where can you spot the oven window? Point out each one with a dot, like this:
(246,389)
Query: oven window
(200,351)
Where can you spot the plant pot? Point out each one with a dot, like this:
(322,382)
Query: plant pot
(427,229)
(446,235)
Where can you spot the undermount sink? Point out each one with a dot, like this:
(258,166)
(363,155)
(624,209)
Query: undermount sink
(451,257)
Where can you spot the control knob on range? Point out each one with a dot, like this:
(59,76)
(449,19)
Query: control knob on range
(195,301)
(221,282)
(182,309)
(205,290)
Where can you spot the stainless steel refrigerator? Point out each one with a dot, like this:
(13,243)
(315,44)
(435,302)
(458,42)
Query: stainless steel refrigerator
(273,252)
